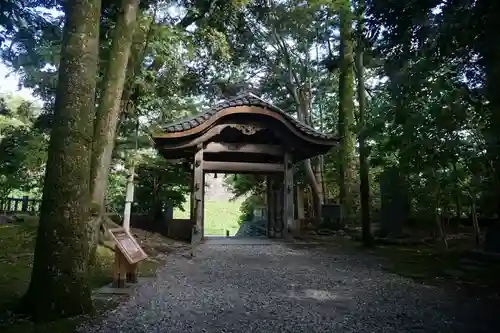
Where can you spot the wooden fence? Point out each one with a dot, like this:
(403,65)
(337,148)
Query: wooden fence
(20,205)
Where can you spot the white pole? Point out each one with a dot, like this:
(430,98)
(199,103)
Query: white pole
(129,199)
(129,196)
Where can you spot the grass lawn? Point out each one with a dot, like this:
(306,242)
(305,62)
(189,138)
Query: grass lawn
(220,215)
(17,241)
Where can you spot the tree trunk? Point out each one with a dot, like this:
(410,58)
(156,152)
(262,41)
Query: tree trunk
(300,203)
(108,111)
(364,167)
(439,225)
(59,286)
(458,201)
(475,223)
(303,102)
(318,175)
(346,114)
(458,205)
(315,190)
(140,43)
(489,47)
(109,105)
(437,219)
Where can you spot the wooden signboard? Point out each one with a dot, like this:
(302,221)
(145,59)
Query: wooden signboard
(127,254)
(127,245)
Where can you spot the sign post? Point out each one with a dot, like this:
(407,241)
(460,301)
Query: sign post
(128,254)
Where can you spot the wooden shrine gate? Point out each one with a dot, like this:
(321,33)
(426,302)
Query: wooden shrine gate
(244,135)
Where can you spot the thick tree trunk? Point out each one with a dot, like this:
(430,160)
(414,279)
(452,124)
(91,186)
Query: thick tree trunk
(364,167)
(346,114)
(59,286)
(303,102)
(108,111)
(318,174)
(315,190)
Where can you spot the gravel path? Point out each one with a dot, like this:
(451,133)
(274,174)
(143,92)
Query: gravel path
(273,287)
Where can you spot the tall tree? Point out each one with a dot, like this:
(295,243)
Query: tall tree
(364,168)
(346,112)
(108,111)
(59,286)
(485,17)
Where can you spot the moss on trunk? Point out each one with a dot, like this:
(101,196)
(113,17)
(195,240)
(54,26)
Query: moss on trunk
(108,111)
(346,114)
(59,286)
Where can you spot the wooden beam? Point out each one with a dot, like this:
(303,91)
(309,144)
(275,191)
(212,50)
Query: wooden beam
(242,167)
(225,147)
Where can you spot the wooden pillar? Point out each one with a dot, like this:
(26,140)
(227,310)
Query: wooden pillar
(131,276)
(288,220)
(271,207)
(192,212)
(119,269)
(202,204)
(198,189)
(123,271)
(24,205)
(300,203)
(277,195)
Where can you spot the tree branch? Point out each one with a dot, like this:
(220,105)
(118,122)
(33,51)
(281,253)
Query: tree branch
(192,18)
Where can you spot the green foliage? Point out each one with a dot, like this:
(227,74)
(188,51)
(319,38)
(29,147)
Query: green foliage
(429,118)
(117,187)
(22,163)
(431,80)
(242,185)
(160,182)
(248,206)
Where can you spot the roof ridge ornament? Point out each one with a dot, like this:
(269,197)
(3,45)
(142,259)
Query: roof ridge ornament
(248,129)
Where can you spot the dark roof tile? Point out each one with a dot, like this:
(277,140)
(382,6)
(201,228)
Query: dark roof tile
(242,100)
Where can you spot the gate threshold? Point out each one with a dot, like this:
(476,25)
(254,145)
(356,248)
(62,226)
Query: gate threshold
(220,240)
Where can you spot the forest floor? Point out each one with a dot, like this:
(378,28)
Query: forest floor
(453,270)
(262,285)
(457,268)
(17,241)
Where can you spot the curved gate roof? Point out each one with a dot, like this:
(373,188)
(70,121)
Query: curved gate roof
(247,104)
